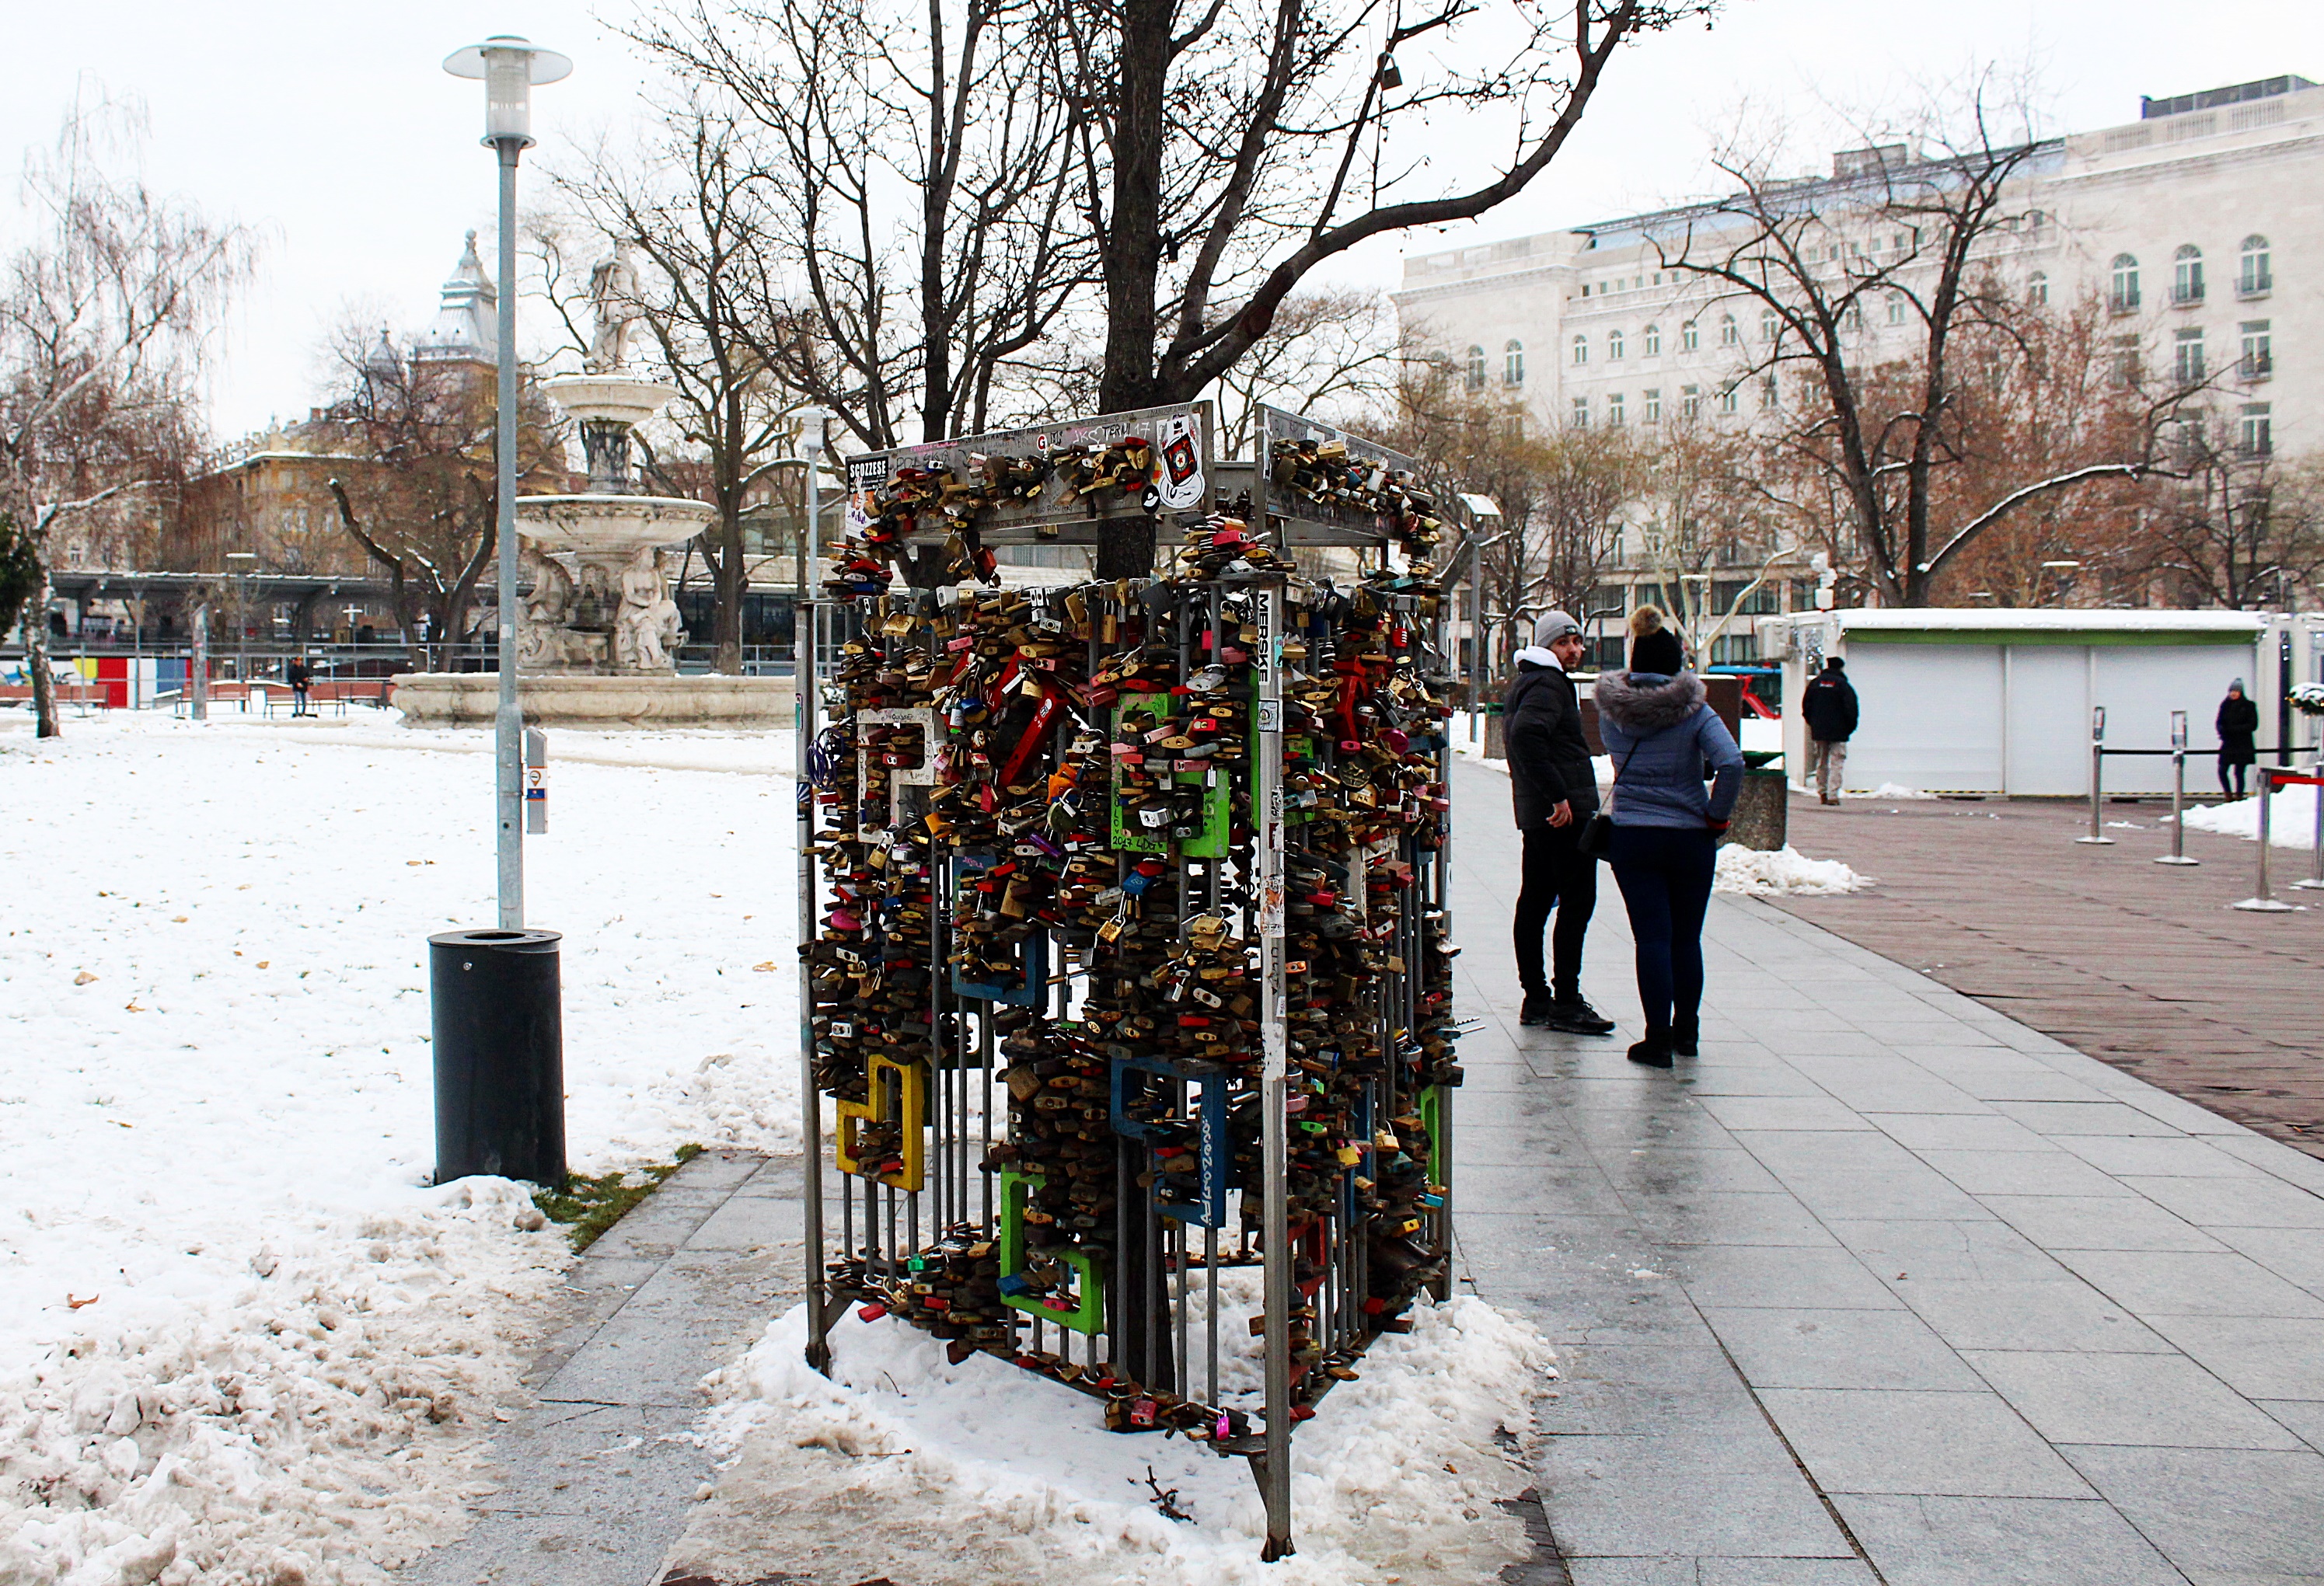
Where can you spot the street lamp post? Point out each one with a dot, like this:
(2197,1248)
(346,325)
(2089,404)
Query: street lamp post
(509,67)
(242,558)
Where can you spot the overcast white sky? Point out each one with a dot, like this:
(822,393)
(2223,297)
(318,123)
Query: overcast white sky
(332,128)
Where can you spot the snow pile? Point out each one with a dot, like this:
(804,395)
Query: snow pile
(961,1475)
(1785,873)
(320,1421)
(2291,818)
(213,1063)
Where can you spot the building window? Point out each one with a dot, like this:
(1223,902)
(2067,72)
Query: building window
(2252,435)
(1729,336)
(2257,362)
(1512,363)
(2123,297)
(1729,402)
(1653,338)
(1476,368)
(1613,346)
(2037,289)
(1689,337)
(2187,274)
(1582,349)
(2257,280)
(1897,308)
(2187,357)
(1767,391)
(1689,401)
(1650,406)
(2128,369)
(1581,419)
(1770,327)
(1615,416)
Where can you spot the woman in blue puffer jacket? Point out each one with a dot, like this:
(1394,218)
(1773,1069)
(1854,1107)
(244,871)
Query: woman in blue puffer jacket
(1661,736)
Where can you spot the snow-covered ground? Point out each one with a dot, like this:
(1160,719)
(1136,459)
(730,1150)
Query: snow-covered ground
(902,1465)
(241,1338)
(1784,874)
(2291,818)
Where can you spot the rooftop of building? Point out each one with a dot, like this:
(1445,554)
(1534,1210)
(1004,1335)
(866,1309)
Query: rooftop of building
(2252,106)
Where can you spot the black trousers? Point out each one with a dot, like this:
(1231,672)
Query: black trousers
(2235,768)
(1555,877)
(1665,874)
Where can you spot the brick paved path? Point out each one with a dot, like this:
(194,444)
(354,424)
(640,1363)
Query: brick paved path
(2140,964)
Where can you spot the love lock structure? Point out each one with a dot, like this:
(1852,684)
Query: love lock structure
(1126,964)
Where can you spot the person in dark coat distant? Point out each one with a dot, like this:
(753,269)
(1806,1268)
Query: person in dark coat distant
(1555,791)
(301,677)
(2238,730)
(1653,647)
(1828,706)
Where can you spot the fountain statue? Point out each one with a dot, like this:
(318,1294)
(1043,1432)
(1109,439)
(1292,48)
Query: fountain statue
(597,636)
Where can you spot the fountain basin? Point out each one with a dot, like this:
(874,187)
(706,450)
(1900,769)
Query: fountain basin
(625,399)
(610,525)
(469,699)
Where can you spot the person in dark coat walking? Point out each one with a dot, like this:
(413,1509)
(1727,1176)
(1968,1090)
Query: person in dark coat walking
(1666,832)
(1828,706)
(1555,792)
(2238,730)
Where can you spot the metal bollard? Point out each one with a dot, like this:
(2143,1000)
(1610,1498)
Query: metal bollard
(2263,903)
(2178,855)
(2315,881)
(2098,760)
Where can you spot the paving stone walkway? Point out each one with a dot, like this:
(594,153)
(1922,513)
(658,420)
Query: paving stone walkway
(596,1479)
(2144,965)
(1886,1285)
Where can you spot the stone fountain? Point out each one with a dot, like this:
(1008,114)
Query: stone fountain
(599,633)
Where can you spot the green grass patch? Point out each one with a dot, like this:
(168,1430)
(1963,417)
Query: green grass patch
(589,1206)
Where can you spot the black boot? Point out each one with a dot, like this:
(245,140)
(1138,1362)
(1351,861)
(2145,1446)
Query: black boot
(1575,1016)
(1655,1052)
(1537,1006)
(1687,1041)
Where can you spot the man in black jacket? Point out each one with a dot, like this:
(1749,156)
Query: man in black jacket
(1828,705)
(1555,791)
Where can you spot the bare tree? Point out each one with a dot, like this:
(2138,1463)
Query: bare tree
(424,504)
(1562,497)
(1699,517)
(2241,531)
(1227,152)
(103,315)
(1330,350)
(1875,415)
(918,162)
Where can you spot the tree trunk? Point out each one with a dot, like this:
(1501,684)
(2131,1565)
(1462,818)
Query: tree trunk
(1133,247)
(729,586)
(36,658)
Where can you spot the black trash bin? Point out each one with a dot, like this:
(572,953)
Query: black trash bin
(500,1055)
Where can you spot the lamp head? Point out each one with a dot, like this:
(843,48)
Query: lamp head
(812,421)
(510,67)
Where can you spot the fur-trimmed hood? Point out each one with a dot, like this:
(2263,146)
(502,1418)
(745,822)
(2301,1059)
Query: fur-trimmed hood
(1645,702)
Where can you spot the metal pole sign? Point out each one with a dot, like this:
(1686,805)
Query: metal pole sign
(2264,901)
(508,720)
(2098,763)
(2178,855)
